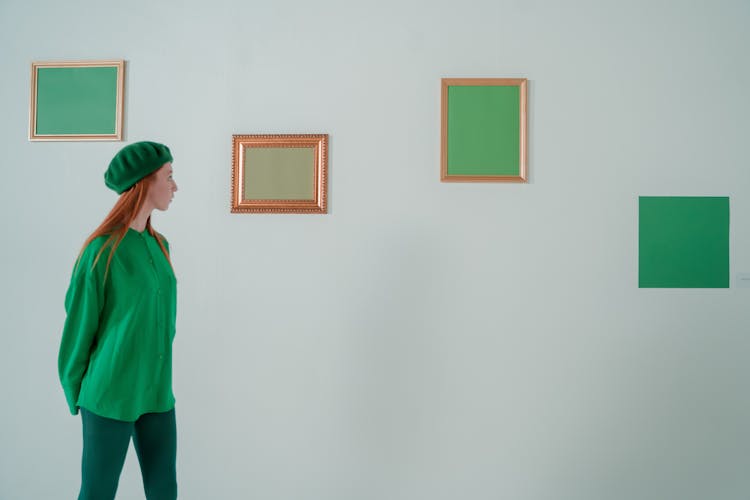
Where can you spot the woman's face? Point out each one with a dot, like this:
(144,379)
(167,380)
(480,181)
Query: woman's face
(162,188)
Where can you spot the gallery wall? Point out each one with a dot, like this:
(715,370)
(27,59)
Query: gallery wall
(422,340)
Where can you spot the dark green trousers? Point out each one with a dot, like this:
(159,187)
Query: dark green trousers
(105,445)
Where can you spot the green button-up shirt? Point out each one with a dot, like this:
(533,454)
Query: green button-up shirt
(116,351)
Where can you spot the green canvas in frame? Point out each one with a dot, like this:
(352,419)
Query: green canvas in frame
(483,129)
(683,242)
(76,101)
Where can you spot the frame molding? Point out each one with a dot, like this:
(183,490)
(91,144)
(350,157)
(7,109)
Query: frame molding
(522,84)
(319,143)
(120,100)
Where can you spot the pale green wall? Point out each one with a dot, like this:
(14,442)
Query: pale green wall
(417,343)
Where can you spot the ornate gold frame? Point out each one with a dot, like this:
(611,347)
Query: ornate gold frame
(521,83)
(117,136)
(319,143)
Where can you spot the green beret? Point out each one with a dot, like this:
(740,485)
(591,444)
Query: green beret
(134,162)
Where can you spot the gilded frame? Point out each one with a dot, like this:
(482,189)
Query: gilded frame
(521,173)
(313,168)
(56,99)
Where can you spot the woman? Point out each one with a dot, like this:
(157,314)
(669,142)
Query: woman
(115,361)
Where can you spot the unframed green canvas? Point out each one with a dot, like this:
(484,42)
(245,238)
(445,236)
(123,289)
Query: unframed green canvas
(683,242)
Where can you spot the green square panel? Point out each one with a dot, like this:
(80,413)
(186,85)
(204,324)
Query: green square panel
(683,242)
(483,130)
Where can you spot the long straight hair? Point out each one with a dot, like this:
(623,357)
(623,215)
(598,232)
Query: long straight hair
(117,222)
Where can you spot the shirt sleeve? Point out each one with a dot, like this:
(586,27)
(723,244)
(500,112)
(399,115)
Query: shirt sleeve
(83,304)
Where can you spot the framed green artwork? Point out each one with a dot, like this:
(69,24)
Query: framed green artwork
(279,173)
(77,101)
(483,130)
(683,242)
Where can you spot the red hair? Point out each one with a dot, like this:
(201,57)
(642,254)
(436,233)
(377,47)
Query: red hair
(117,222)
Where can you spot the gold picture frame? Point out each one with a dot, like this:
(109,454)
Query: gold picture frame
(77,100)
(279,173)
(484,130)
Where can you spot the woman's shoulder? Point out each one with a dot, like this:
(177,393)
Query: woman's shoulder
(96,244)
(93,252)
(160,237)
